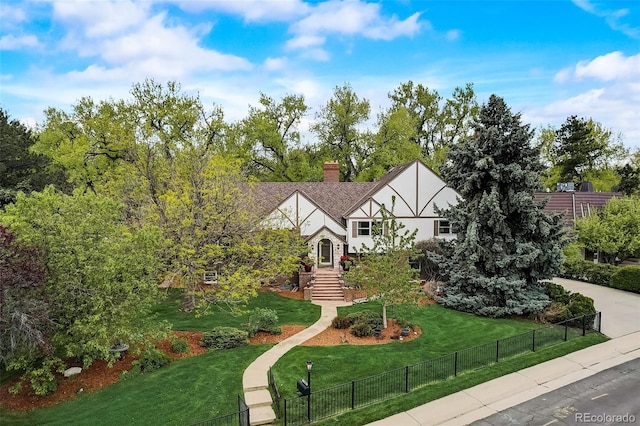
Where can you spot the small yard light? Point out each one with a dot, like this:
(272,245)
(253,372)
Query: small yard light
(309,365)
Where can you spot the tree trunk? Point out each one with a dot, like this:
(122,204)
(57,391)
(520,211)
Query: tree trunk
(384,315)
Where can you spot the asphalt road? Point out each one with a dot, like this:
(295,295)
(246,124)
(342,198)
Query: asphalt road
(611,397)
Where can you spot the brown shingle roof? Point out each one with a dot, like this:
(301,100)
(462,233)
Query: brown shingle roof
(334,198)
(575,205)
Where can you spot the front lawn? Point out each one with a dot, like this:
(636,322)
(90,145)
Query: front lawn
(443,331)
(289,311)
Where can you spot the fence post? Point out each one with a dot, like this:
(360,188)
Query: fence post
(583,325)
(285,412)
(497,350)
(455,364)
(565,331)
(533,340)
(599,320)
(353,394)
(406,379)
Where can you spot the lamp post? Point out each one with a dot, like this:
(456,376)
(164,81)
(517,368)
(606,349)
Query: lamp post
(309,365)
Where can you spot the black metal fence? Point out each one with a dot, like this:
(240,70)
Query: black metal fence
(239,418)
(370,390)
(275,394)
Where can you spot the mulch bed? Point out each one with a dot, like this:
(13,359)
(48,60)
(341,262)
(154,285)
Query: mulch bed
(100,374)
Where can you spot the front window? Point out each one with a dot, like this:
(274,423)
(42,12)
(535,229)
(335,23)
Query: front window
(444,227)
(364,228)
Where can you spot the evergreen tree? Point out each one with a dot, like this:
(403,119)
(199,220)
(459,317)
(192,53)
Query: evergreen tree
(505,242)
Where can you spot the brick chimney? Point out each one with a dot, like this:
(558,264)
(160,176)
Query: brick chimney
(331,171)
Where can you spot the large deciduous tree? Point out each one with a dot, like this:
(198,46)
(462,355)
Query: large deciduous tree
(505,242)
(614,231)
(339,134)
(384,270)
(433,122)
(101,273)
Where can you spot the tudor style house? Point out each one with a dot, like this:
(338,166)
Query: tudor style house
(336,218)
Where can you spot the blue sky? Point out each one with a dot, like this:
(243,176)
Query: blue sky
(547,59)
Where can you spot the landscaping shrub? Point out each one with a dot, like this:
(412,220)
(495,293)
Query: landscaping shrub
(599,273)
(362,330)
(180,346)
(583,270)
(556,312)
(627,278)
(371,318)
(405,324)
(224,338)
(263,319)
(151,359)
(580,305)
(557,293)
(341,322)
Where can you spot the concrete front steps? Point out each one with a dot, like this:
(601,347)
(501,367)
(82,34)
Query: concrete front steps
(327,285)
(258,399)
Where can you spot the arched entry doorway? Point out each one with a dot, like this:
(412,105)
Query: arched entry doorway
(325,252)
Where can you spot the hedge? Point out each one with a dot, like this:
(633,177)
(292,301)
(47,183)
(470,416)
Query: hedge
(627,278)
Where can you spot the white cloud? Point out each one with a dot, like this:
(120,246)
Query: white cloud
(10,42)
(274,64)
(351,17)
(453,35)
(615,102)
(303,42)
(251,10)
(101,18)
(609,67)
(11,15)
(615,18)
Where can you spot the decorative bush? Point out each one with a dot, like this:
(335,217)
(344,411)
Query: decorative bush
(263,319)
(371,318)
(580,305)
(224,338)
(599,273)
(42,378)
(180,346)
(557,293)
(583,270)
(152,359)
(627,278)
(556,312)
(341,322)
(361,330)
(405,324)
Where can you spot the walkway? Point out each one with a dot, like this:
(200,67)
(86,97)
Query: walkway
(254,379)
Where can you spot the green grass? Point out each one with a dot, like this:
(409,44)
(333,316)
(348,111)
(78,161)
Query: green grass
(289,311)
(435,391)
(184,392)
(443,331)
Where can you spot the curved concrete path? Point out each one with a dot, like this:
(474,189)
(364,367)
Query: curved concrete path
(254,380)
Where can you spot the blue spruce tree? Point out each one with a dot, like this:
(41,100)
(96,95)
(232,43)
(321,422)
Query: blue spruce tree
(505,242)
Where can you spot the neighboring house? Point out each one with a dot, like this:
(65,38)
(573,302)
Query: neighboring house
(336,218)
(575,205)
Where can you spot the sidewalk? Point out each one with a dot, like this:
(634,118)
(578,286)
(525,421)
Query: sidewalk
(620,321)
(488,398)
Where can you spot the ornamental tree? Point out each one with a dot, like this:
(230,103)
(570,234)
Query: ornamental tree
(614,231)
(505,242)
(384,270)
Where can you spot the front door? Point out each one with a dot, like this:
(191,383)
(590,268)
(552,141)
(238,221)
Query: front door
(325,252)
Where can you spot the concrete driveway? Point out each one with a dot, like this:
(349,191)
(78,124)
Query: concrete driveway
(620,309)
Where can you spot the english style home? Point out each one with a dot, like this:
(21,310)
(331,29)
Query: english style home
(335,218)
